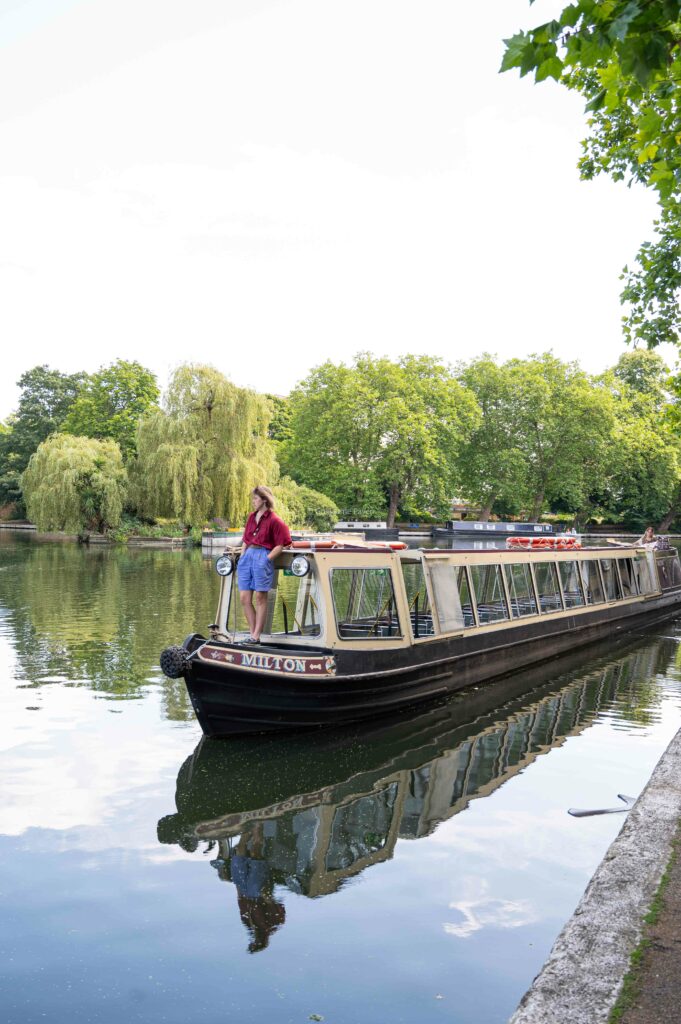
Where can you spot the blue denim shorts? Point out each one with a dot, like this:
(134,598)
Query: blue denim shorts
(254,570)
(249,876)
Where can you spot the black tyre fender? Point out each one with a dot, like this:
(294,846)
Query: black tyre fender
(173,661)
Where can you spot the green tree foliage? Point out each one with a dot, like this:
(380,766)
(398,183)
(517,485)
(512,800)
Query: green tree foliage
(380,433)
(336,434)
(645,376)
(75,484)
(302,507)
(10,491)
(647,470)
(280,424)
(623,56)
(12,465)
(544,436)
(204,451)
(566,421)
(46,397)
(493,465)
(111,402)
(643,486)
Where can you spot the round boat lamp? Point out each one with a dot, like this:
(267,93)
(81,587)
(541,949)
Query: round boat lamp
(224,565)
(300,566)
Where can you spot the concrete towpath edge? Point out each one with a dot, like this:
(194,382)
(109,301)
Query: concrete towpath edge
(583,974)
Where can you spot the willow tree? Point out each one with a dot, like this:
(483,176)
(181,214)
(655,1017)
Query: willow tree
(202,453)
(75,484)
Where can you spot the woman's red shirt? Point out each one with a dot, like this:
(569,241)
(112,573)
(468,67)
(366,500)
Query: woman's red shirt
(269,533)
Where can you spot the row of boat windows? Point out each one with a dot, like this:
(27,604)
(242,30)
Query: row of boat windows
(467,596)
(464,596)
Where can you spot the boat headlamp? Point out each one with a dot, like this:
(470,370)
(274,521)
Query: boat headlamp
(224,565)
(300,566)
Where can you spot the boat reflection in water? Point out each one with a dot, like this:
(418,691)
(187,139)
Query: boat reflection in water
(309,812)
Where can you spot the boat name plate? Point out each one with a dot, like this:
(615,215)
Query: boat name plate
(261,662)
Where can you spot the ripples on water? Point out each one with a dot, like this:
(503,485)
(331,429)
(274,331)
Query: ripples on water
(410,870)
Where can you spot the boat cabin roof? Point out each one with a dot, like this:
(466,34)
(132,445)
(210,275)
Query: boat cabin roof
(402,551)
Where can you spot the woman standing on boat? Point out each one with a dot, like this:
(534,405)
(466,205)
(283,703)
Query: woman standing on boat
(265,536)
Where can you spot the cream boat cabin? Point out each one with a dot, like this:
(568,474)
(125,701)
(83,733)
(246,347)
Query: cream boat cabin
(356,631)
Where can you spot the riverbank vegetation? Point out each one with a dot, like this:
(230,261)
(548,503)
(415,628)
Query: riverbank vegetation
(522,438)
(372,439)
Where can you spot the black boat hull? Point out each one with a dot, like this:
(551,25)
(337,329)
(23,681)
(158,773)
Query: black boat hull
(229,701)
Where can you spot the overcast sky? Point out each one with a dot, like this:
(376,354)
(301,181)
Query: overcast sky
(266,184)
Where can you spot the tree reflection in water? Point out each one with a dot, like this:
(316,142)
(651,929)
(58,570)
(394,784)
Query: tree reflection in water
(309,812)
(98,616)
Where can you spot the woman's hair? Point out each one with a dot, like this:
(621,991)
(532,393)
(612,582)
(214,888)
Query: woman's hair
(266,495)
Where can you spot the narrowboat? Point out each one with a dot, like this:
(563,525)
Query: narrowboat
(371,531)
(477,528)
(353,631)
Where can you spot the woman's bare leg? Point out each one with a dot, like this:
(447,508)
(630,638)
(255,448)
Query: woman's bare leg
(246,598)
(260,613)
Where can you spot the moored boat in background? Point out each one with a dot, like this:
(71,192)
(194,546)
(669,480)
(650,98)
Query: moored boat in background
(492,528)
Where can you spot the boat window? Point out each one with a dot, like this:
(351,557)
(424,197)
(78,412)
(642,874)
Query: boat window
(417,598)
(523,601)
(572,584)
(611,582)
(361,828)
(465,598)
(668,569)
(294,606)
(452,596)
(591,578)
(548,590)
(643,576)
(364,601)
(627,577)
(489,593)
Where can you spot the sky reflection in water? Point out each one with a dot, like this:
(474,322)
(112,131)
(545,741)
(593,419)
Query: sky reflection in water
(417,870)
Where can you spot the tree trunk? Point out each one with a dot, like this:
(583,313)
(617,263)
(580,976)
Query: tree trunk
(485,512)
(394,498)
(672,513)
(536,507)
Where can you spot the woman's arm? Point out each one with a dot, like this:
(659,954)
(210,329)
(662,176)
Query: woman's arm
(275,552)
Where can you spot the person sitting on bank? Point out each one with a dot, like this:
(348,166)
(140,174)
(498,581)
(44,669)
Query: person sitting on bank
(265,536)
(648,539)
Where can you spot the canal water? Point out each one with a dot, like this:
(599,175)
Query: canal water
(416,870)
